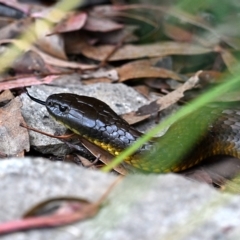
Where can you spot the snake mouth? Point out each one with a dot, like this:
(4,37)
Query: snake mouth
(35,99)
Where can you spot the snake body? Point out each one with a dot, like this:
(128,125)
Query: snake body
(211,130)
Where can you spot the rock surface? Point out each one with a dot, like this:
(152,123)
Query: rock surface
(141,207)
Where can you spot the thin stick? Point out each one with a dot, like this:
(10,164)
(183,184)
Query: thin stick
(46,134)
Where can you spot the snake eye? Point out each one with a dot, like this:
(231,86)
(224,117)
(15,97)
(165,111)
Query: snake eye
(63,108)
(50,103)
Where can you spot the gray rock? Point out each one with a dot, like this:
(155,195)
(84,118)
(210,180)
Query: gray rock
(141,207)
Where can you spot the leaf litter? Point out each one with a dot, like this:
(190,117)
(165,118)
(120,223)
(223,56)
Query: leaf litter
(105,47)
(14,139)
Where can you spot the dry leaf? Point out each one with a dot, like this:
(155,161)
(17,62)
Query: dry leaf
(14,139)
(61,63)
(86,163)
(209,76)
(157,83)
(95,150)
(54,204)
(143,89)
(177,94)
(26,81)
(112,75)
(72,23)
(29,62)
(165,101)
(139,51)
(144,69)
(96,80)
(105,157)
(50,44)
(101,25)
(5,97)
(132,118)
(151,108)
(177,33)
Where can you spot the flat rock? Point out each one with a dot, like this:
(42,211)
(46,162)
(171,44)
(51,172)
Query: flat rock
(140,207)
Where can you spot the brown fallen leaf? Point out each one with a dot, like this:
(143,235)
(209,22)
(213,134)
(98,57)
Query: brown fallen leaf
(157,83)
(26,81)
(143,89)
(139,51)
(161,103)
(152,107)
(144,69)
(208,76)
(86,163)
(115,37)
(5,97)
(29,62)
(50,59)
(14,139)
(170,98)
(177,33)
(105,157)
(182,35)
(177,94)
(132,118)
(50,44)
(96,80)
(61,63)
(54,205)
(73,22)
(94,23)
(111,74)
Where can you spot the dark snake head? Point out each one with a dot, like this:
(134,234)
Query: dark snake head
(78,113)
(92,118)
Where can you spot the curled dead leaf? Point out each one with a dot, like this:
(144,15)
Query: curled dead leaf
(14,139)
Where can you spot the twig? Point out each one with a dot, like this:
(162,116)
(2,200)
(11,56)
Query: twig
(46,134)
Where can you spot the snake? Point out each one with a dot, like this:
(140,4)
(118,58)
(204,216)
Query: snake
(213,129)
